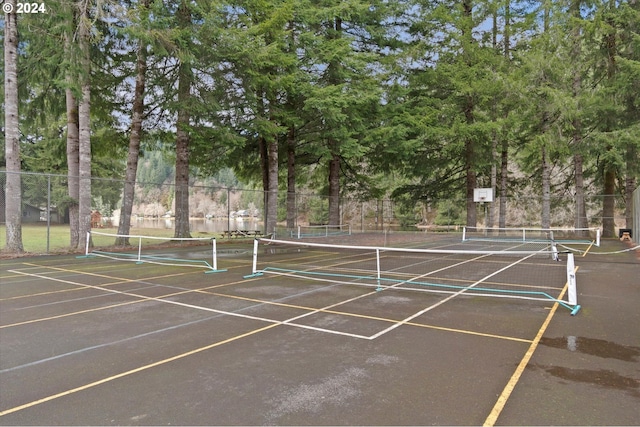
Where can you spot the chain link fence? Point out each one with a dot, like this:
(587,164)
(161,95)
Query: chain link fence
(216,211)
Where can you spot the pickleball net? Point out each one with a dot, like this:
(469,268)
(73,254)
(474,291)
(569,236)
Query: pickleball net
(183,252)
(539,275)
(561,236)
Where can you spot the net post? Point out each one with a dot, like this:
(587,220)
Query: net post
(214,257)
(524,234)
(571,284)
(254,268)
(597,237)
(349,229)
(378,268)
(139,260)
(86,246)
(464,233)
(298,231)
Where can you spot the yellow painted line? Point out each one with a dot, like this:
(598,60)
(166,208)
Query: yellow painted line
(508,389)
(44,319)
(588,249)
(11,276)
(133,371)
(468,332)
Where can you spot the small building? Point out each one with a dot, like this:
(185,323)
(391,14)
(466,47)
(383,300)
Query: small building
(30,213)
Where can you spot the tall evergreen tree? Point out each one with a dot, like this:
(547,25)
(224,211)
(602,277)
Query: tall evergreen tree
(135,135)
(13,194)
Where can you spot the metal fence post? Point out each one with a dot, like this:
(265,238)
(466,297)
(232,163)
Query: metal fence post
(48,211)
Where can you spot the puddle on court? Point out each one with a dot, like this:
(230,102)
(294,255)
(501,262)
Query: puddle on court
(203,255)
(594,347)
(600,377)
(231,252)
(598,348)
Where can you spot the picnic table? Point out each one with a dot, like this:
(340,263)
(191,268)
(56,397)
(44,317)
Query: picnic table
(241,233)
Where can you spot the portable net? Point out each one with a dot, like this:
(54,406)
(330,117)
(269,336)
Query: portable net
(532,275)
(558,236)
(184,252)
(306,231)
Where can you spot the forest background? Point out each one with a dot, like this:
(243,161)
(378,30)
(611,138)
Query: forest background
(416,101)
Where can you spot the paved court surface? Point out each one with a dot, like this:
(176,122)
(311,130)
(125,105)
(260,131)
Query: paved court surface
(102,342)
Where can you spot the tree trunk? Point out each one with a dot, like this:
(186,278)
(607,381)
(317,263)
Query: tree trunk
(608,204)
(580,206)
(609,168)
(13,194)
(490,220)
(630,186)
(291,178)
(472,220)
(469,148)
(272,197)
(333,144)
(504,174)
(135,137)
(546,189)
(182,138)
(84,127)
(546,173)
(334,188)
(467,109)
(264,170)
(581,210)
(504,153)
(182,162)
(73,155)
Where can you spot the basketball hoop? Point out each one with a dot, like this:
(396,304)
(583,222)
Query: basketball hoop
(481,195)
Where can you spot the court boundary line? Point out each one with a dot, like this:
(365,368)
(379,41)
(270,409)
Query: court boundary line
(309,310)
(170,359)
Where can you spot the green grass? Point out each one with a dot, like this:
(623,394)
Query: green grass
(34,237)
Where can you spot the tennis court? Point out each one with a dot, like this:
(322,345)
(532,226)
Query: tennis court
(103,341)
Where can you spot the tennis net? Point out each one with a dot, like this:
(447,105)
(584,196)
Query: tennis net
(531,275)
(560,236)
(184,252)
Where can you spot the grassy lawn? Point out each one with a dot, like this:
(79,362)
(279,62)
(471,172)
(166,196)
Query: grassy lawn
(34,237)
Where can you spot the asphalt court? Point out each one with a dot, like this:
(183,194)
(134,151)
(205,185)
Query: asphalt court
(103,342)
